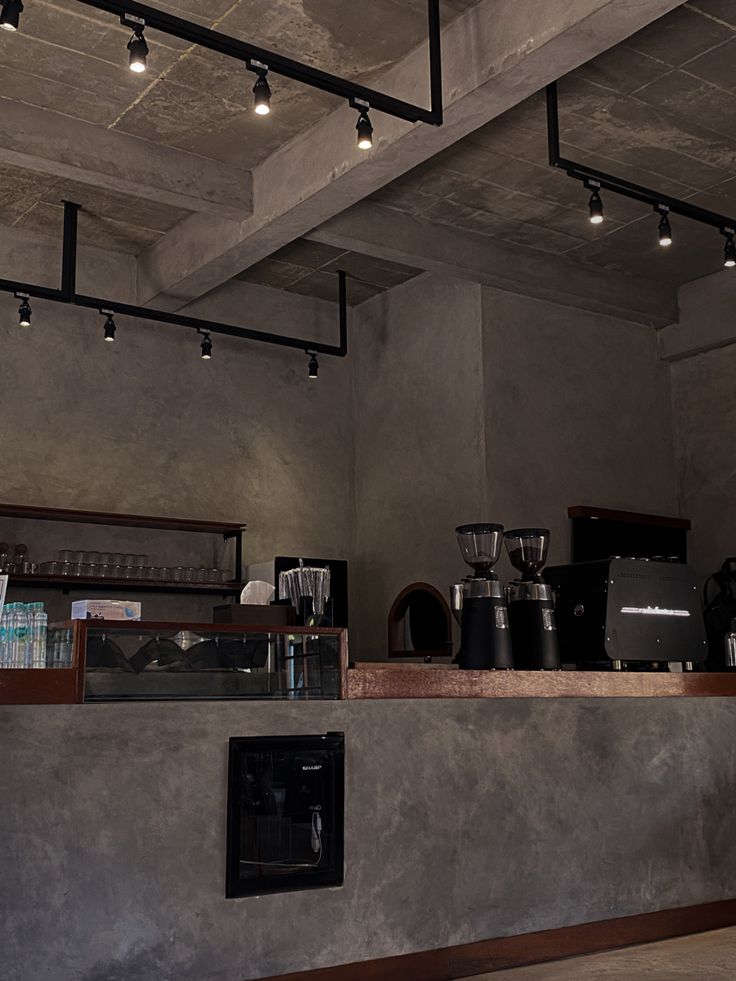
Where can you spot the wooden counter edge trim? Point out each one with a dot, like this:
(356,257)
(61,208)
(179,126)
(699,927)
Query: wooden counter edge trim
(394,681)
(502,953)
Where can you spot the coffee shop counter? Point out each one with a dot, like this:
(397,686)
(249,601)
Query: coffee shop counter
(381,679)
(465,819)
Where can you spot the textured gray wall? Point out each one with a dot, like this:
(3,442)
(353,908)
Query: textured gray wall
(419,444)
(580,413)
(705,427)
(476,404)
(464,820)
(144,425)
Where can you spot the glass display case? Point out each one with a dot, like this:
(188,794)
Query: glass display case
(140,660)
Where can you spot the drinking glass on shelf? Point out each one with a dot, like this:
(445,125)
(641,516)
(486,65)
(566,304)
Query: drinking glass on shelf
(179,573)
(92,558)
(65,555)
(105,558)
(129,571)
(165,573)
(190,574)
(140,560)
(117,571)
(149,572)
(66,568)
(87,569)
(103,571)
(117,558)
(129,559)
(213,575)
(77,556)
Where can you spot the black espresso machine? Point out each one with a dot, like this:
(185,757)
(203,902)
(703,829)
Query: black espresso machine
(628,613)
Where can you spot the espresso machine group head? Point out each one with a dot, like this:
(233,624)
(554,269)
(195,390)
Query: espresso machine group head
(531,601)
(479,601)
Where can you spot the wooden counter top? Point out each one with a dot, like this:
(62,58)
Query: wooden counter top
(378,680)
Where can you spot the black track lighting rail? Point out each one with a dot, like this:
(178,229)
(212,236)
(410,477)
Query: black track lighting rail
(598,179)
(67,294)
(185,30)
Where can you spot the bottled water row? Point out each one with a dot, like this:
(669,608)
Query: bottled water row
(23,636)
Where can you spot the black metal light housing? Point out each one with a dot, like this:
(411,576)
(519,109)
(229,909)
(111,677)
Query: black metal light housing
(24,310)
(365,130)
(206,347)
(313,365)
(262,94)
(109,325)
(729,251)
(665,231)
(137,51)
(10,14)
(595,206)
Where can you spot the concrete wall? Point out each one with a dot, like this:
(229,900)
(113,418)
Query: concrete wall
(705,427)
(145,426)
(465,820)
(476,404)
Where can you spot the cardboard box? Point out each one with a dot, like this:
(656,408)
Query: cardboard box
(105,609)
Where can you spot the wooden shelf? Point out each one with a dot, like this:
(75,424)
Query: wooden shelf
(229,528)
(75,583)
(374,680)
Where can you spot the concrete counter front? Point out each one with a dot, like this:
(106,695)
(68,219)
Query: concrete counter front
(466,819)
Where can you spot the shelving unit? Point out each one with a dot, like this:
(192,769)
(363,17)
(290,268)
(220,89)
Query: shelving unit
(228,529)
(69,583)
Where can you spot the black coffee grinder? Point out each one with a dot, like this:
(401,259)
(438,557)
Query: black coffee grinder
(479,601)
(531,602)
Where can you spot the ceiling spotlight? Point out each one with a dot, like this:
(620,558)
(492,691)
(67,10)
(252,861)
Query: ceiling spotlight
(138,49)
(313,365)
(206,347)
(24,310)
(109,325)
(365,130)
(595,206)
(10,14)
(665,232)
(729,251)
(262,93)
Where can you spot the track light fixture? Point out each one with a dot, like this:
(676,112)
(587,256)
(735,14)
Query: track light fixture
(729,249)
(313,364)
(261,90)
(595,205)
(365,130)
(24,310)
(10,14)
(137,47)
(109,325)
(665,232)
(663,204)
(206,347)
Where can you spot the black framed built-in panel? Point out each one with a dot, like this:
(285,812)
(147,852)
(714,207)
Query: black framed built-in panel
(599,533)
(285,809)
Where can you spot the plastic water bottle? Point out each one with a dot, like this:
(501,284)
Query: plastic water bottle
(38,627)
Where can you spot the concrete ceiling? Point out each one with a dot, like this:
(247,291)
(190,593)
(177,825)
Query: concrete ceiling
(71,59)
(658,109)
(174,167)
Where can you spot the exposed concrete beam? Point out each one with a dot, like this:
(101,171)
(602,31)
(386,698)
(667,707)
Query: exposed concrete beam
(388,234)
(265,308)
(30,258)
(48,143)
(494,55)
(706,318)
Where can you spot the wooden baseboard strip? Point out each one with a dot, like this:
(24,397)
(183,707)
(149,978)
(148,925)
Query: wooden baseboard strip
(486,956)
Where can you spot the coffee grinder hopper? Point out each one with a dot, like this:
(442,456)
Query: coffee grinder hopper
(527,549)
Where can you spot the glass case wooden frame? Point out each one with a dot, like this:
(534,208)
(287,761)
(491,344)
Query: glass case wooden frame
(65,685)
